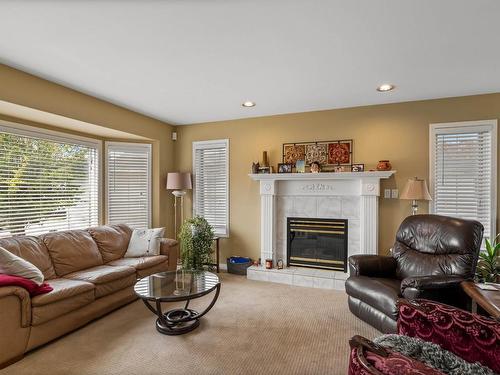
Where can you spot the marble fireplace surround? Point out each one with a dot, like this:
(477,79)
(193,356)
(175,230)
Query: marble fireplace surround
(346,195)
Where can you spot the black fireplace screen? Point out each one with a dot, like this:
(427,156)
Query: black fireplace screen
(317,243)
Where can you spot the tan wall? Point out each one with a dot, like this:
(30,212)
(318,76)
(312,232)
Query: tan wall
(398,132)
(29,91)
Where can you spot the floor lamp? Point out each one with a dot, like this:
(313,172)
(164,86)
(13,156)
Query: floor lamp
(179,183)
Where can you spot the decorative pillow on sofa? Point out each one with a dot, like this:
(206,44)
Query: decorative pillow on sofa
(11,264)
(144,242)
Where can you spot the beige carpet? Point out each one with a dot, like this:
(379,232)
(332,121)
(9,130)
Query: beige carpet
(255,328)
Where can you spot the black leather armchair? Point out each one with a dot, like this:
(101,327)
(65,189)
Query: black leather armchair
(432,255)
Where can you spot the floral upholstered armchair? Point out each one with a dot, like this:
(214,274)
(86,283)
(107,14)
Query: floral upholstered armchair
(438,339)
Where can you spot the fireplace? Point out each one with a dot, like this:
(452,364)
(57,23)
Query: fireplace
(317,243)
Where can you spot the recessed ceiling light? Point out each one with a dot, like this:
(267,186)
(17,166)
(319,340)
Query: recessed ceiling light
(248,103)
(385,87)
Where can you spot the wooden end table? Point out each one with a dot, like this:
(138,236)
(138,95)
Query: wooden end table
(488,300)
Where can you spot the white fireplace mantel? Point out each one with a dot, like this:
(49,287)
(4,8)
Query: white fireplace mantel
(365,186)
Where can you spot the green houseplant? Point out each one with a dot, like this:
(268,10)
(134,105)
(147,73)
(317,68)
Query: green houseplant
(488,266)
(195,238)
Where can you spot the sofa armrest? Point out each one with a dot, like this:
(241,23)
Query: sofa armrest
(372,265)
(15,320)
(24,302)
(415,287)
(170,248)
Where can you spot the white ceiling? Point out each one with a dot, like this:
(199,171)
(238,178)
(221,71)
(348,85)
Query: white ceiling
(190,61)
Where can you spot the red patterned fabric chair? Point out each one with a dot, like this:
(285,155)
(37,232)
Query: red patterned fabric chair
(469,336)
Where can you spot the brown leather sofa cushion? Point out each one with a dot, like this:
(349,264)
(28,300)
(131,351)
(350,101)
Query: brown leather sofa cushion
(33,250)
(72,251)
(141,262)
(111,240)
(67,296)
(380,293)
(107,279)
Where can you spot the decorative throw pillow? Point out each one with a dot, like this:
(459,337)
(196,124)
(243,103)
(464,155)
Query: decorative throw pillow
(144,242)
(11,264)
(432,355)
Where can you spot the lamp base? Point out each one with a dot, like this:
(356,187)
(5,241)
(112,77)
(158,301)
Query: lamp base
(414,207)
(179,193)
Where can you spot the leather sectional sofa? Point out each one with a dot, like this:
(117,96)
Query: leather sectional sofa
(90,278)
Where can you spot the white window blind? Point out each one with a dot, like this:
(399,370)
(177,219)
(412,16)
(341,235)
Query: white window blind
(463,171)
(47,182)
(211,183)
(128,184)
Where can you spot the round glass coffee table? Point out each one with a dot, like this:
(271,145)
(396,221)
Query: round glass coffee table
(173,286)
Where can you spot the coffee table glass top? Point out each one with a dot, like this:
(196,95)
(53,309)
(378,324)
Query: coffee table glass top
(176,285)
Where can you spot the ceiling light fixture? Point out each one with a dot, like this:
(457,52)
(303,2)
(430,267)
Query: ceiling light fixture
(385,87)
(248,104)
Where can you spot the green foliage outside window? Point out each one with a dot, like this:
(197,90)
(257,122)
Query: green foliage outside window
(42,175)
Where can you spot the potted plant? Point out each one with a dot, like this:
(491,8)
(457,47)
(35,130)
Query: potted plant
(488,266)
(195,238)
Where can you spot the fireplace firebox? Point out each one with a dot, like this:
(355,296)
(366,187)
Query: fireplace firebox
(317,243)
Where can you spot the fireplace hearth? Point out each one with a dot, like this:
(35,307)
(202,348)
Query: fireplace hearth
(317,243)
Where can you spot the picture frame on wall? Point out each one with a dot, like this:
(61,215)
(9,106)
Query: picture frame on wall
(357,168)
(326,153)
(285,168)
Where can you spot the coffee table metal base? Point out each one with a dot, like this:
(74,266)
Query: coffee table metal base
(179,321)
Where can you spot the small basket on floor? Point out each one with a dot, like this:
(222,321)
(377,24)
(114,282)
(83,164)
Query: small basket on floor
(238,265)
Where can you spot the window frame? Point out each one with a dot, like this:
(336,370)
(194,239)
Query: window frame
(149,147)
(58,136)
(465,126)
(196,145)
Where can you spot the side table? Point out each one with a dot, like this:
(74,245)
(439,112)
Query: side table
(217,254)
(488,300)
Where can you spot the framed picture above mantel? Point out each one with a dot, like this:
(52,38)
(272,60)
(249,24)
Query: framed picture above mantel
(326,153)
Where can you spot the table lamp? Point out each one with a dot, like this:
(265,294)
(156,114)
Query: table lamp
(179,183)
(416,190)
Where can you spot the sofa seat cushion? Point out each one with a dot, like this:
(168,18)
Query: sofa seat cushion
(107,279)
(66,296)
(140,263)
(378,292)
(72,250)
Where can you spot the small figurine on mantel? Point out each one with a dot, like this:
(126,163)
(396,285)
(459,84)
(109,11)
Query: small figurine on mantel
(315,167)
(255,168)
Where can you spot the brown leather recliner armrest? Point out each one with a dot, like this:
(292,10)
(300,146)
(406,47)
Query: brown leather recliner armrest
(25,301)
(415,287)
(170,248)
(372,265)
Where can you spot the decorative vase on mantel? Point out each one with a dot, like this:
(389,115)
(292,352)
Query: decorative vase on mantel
(384,165)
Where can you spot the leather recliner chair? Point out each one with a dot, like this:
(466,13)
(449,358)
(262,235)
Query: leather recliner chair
(432,255)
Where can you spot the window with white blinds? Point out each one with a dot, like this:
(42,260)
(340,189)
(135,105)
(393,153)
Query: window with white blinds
(48,181)
(463,171)
(211,183)
(128,184)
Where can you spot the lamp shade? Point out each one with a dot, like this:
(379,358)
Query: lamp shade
(416,189)
(179,181)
